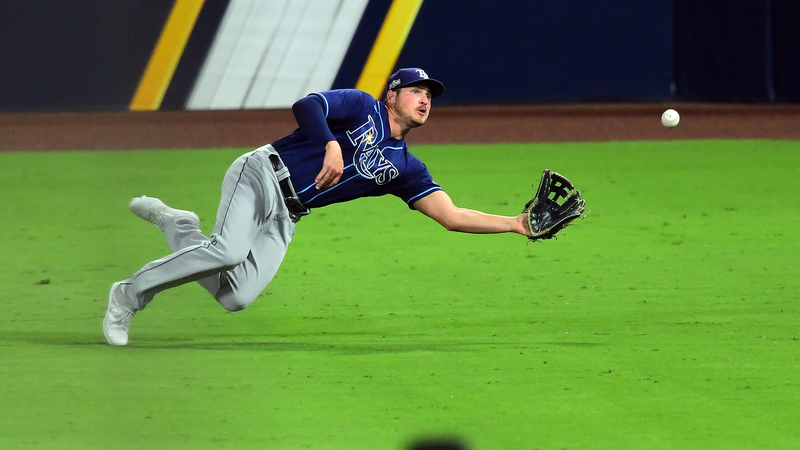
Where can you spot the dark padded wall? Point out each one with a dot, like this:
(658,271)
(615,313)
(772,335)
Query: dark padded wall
(58,55)
(786,44)
(75,55)
(723,50)
(508,51)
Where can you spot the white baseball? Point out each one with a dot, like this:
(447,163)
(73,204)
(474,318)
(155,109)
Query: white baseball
(670,118)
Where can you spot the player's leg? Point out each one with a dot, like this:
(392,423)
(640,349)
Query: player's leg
(259,201)
(181,228)
(237,288)
(189,264)
(241,214)
(182,233)
(243,210)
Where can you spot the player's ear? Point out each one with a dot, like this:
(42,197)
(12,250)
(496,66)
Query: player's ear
(391,97)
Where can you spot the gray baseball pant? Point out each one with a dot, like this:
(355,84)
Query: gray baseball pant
(235,264)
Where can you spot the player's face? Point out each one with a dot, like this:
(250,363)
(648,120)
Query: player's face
(413,104)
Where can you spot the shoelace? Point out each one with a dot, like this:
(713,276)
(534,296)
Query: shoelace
(121,317)
(156,218)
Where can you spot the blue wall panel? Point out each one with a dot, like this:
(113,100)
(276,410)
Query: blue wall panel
(64,55)
(546,51)
(723,52)
(786,41)
(59,55)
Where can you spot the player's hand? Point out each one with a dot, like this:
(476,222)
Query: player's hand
(521,225)
(332,166)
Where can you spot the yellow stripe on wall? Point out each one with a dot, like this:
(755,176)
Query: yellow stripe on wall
(388,45)
(164,59)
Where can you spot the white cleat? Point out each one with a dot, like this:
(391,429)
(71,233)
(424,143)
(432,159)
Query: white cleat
(156,212)
(118,319)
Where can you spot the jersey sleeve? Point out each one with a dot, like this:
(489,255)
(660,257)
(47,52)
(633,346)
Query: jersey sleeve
(415,183)
(309,112)
(342,105)
(321,116)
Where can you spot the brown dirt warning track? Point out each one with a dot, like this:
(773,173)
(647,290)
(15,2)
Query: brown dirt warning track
(541,123)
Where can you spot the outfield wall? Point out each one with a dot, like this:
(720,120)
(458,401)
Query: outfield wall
(113,55)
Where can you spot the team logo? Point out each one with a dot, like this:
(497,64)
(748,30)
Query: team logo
(368,158)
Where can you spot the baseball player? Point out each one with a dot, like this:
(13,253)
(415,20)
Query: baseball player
(347,145)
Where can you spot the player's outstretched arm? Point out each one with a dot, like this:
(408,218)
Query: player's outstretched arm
(440,207)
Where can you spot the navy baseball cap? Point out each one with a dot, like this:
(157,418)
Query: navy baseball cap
(405,77)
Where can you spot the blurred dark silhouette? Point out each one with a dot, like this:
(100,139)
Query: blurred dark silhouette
(438,444)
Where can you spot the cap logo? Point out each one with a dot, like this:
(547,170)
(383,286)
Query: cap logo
(394,84)
(422,73)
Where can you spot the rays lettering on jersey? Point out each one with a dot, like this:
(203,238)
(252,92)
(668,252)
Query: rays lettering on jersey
(368,158)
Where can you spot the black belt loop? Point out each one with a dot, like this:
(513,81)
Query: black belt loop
(293,203)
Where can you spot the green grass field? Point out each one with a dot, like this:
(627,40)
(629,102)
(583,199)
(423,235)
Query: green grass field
(667,319)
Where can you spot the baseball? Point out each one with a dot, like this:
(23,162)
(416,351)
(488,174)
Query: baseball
(670,118)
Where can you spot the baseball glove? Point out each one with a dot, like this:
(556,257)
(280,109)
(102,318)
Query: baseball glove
(556,204)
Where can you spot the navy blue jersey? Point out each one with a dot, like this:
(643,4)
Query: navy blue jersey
(374,162)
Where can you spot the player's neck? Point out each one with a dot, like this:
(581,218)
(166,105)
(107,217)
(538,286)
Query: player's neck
(397,125)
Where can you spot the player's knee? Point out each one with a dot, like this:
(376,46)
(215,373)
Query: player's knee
(233,295)
(228,258)
(235,301)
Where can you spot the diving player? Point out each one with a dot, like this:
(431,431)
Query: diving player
(347,145)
